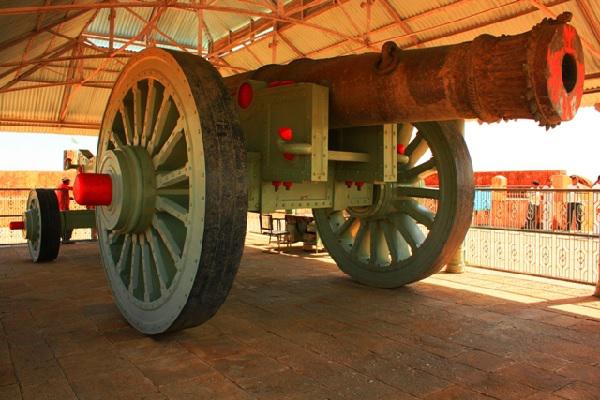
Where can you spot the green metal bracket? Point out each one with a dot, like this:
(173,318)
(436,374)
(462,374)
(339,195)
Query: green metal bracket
(294,161)
(345,196)
(299,195)
(254,181)
(302,108)
(378,143)
(77,219)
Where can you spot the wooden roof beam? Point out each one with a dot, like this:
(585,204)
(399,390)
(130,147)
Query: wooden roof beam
(66,84)
(148,27)
(32,34)
(392,12)
(590,18)
(49,124)
(37,63)
(249,31)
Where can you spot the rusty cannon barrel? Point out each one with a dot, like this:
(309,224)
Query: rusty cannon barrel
(537,75)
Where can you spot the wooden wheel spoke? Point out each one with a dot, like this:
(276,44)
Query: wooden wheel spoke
(168,239)
(418,192)
(159,261)
(340,230)
(359,239)
(127,124)
(116,140)
(113,237)
(170,178)
(167,149)
(137,115)
(416,149)
(419,171)
(379,251)
(135,276)
(161,120)
(149,116)
(170,207)
(124,256)
(398,247)
(405,134)
(409,231)
(151,291)
(418,212)
(410,148)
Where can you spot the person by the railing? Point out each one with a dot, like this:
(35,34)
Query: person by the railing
(547,198)
(533,209)
(482,204)
(596,207)
(574,210)
(62,194)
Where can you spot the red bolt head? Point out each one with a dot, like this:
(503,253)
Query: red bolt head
(288,156)
(245,95)
(348,184)
(288,185)
(276,184)
(359,185)
(400,148)
(286,134)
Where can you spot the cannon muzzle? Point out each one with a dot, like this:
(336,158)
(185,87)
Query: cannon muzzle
(536,75)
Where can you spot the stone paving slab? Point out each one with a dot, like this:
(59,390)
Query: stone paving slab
(294,327)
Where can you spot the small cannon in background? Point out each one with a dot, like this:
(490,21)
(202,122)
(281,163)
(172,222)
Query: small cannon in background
(180,164)
(44,223)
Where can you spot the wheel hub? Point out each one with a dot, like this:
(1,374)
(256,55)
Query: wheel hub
(30,217)
(383,198)
(133,189)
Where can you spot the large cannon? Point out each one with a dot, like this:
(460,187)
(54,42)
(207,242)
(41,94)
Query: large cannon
(350,137)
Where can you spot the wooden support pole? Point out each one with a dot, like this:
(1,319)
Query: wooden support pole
(273,45)
(111,32)
(200,17)
(457,264)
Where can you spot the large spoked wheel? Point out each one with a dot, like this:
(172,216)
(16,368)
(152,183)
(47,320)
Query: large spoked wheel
(172,238)
(42,225)
(411,231)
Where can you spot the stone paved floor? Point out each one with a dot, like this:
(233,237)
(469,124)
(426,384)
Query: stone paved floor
(296,328)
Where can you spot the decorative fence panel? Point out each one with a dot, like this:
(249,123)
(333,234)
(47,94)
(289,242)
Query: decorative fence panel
(546,232)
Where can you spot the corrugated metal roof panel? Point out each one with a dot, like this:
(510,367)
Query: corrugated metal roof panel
(22,105)
(127,25)
(220,23)
(309,40)
(86,104)
(179,24)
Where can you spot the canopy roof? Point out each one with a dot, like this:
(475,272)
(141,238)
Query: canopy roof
(59,58)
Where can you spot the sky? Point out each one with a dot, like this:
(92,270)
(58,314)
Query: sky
(573,146)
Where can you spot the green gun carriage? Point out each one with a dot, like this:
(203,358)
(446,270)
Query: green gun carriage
(44,223)
(184,154)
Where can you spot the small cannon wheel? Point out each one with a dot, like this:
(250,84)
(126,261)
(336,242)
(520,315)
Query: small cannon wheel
(411,231)
(42,225)
(172,238)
